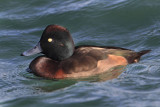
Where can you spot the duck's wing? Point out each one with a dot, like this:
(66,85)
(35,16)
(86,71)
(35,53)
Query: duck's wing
(130,55)
(94,59)
(106,47)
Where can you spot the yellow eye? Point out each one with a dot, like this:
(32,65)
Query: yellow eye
(50,40)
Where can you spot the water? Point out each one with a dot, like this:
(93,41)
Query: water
(132,24)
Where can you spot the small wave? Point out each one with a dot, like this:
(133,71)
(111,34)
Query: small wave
(24,12)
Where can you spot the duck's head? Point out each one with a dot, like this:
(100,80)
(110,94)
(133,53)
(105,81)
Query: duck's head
(56,43)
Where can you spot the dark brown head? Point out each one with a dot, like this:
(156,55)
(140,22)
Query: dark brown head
(56,43)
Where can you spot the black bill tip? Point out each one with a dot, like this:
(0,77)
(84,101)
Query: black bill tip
(21,54)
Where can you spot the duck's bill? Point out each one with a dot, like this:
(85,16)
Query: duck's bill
(32,51)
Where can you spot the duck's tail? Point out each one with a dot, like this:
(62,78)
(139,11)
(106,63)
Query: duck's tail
(143,52)
(135,57)
(139,54)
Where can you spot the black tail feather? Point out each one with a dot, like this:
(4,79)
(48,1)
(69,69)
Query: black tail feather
(139,54)
(136,56)
(143,52)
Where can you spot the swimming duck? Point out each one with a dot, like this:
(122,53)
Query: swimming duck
(62,59)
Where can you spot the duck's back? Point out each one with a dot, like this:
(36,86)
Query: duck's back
(89,60)
(100,51)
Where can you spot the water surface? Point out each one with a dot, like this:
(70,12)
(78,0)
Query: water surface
(132,24)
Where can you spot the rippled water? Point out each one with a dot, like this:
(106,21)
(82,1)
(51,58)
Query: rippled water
(132,24)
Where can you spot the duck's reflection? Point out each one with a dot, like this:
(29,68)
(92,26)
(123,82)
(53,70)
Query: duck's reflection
(48,85)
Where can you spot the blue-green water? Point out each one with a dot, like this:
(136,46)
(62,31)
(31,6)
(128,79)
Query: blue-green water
(132,24)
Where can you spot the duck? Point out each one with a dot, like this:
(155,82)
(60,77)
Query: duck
(62,59)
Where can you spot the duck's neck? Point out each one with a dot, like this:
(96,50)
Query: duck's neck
(63,52)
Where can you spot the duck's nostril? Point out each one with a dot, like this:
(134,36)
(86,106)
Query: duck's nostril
(21,54)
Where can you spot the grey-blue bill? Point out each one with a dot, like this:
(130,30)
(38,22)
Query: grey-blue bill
(32,51)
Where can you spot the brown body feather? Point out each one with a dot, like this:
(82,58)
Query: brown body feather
(86,61)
